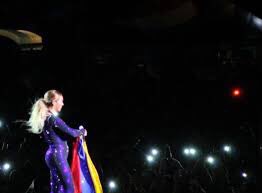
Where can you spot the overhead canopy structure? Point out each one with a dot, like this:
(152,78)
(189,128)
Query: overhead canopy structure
(26,40)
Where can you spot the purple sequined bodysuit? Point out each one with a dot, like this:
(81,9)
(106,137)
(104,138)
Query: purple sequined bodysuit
(56,134)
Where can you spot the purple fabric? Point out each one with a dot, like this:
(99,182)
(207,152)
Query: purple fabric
(56,134)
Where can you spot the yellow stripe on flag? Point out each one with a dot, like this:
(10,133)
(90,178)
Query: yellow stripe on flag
(93,171)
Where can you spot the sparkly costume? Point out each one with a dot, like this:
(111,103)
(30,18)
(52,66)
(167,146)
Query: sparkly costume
(55,134)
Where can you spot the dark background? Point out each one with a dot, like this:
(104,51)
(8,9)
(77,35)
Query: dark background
(133,71)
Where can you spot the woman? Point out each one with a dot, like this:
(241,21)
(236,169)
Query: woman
(43,119)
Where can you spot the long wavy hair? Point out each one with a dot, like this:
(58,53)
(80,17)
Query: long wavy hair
(40,111)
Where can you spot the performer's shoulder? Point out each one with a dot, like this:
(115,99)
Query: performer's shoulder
(51,118)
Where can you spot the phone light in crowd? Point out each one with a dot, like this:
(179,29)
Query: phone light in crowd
(6,167)
(150,158)
(244,175)
(154,152)
(227,148)
(257,22)
(190,151)
(112,185)
(210,160)
(1,123)
(186,151)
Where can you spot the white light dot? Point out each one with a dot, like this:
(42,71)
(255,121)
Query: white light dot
(154,151)
(244,175)
(210,159)
(150,158)
(192,151)
(112,185)
(6,166)
(227,148)
(186,151)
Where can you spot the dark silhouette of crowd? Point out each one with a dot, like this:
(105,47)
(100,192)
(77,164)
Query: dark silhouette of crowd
(169,176)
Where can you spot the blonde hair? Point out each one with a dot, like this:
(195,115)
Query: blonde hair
(39,111)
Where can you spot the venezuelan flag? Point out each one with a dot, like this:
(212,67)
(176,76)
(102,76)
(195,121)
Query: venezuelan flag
(85,176)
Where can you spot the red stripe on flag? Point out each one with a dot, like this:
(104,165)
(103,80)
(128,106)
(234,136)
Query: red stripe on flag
(75,168)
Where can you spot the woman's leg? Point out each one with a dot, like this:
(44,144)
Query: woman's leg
(63,171)
(54,179)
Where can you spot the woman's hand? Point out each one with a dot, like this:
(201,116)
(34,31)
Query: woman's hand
(85,133)
(83,130)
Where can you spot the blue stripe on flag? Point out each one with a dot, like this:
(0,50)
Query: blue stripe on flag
(86,180)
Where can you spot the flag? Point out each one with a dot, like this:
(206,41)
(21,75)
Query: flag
(85,176)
